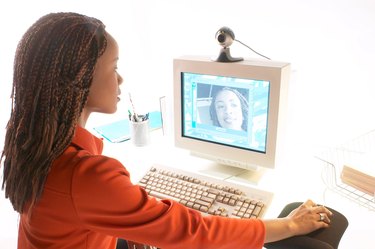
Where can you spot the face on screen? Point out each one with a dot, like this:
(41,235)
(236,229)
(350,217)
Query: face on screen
(228,110)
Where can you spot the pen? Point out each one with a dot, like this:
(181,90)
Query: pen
(135,116)
(145,117)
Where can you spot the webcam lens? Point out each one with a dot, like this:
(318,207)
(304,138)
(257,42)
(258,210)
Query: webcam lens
(221,38)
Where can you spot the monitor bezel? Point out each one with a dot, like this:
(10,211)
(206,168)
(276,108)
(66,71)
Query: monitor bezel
(277,73)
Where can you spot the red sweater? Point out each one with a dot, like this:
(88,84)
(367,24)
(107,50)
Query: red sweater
(89,200)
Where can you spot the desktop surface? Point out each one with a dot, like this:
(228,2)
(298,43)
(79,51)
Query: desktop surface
(296,178)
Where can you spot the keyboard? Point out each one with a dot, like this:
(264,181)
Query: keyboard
(206,194)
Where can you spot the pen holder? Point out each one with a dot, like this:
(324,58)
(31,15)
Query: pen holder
(140,132)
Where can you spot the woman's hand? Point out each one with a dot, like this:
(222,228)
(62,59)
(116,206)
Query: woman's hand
(309,217)
(306,218)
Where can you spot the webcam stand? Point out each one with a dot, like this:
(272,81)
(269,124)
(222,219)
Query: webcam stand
(225,56)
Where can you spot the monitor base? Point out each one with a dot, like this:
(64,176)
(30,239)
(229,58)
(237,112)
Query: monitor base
(234,174)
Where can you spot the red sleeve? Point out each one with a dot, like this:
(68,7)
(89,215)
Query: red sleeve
(106,201)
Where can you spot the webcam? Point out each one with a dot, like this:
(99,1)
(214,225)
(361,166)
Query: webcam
(225,37)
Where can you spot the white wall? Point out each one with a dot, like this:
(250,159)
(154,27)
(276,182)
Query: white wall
(330,43)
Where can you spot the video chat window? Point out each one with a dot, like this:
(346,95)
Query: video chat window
(225,110)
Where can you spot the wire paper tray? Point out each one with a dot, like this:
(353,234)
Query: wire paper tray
(333,160)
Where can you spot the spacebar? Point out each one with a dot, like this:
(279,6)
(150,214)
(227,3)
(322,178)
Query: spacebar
(163,196)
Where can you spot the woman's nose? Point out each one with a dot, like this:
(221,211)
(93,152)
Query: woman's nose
(120,80)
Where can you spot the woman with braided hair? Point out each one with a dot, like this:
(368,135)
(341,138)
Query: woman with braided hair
(68,194)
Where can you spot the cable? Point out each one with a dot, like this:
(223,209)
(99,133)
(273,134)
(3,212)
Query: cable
(252,49)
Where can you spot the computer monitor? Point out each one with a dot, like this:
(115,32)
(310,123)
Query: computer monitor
(208,121)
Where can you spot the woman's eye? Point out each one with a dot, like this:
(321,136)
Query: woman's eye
(219,106)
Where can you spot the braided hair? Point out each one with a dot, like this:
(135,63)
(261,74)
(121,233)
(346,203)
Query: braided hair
(53,70)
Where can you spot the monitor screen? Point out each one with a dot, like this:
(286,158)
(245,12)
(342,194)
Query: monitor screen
(231,113)
(225,110)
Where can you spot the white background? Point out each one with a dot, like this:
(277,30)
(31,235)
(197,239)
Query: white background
(330,44)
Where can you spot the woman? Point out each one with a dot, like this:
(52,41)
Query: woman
(229,109)
(67,193)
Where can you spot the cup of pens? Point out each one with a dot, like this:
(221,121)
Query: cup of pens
(139,129)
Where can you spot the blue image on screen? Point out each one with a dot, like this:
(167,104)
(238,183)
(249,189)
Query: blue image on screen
(201,106)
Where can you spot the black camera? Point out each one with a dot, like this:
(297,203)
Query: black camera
(225,37)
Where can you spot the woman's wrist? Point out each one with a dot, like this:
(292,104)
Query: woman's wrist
(281,228)
(291,226)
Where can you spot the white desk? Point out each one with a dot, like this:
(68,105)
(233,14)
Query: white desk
(296,178)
